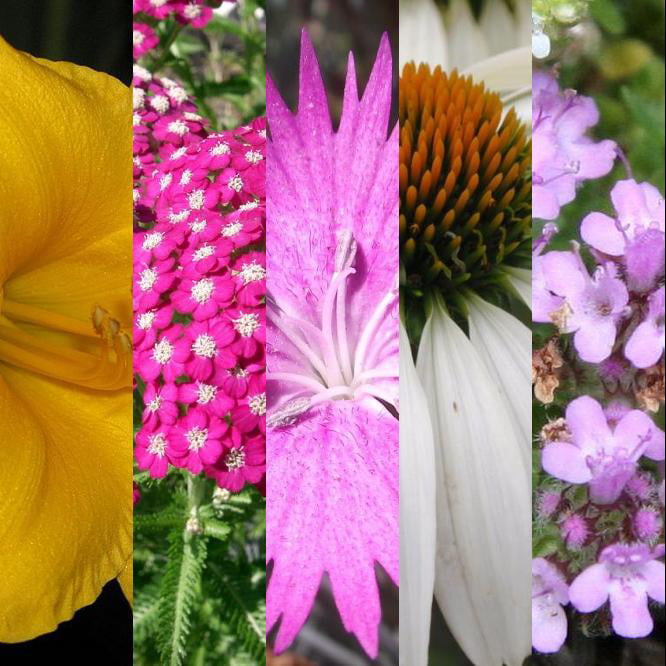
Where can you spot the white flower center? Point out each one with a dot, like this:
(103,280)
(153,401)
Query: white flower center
(203,252)
(177,93)
(185,177)
(137,37)
(202,290)
(219,149)
(178,127)
(195,199)
(174,218)
(162,352)
(231,229)
(147,279)
(138,95)
(192,11)
(252,272)
(236,183)
(196,438)
(157,445)
(178,153)
(253,157)
(250,205)
(160,103)
(152,240)
(207,393)
(235,459)
(257,404)
(198,226)
(205,346)
(165,180)
(246,324)
(145,320)
(154,404)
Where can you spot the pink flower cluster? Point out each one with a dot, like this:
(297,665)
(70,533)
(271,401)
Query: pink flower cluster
(165,119)
(610,534)
(199,293)
(196,13)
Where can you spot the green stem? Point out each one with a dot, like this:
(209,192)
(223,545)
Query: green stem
(171,38)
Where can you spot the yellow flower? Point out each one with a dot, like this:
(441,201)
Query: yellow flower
(65,358)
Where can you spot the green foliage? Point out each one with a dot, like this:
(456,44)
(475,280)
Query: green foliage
(200,575)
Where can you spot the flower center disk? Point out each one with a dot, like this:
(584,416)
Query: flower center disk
(465,181)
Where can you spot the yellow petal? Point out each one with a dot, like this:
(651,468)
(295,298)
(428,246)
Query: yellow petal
(126,580)
(66,507)
(65,194)
(65,247)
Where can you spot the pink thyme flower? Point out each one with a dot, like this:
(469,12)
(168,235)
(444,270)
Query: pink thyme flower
(563,155)
(332,350)
(251,410)
(197,440)
(647,524)
(646,345)
(147,324)
(159,360)
(592,306)
(604,458)
(208,395)
(574,531)
(637,233)
(195,13)
(549,594)
(151,281)
(627,574)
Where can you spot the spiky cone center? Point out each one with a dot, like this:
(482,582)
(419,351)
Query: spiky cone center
(465,183)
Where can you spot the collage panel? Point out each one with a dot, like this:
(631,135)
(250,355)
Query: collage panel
(65,317)
(465,260)
(199,332)
(236,236)
(598,333)
(332,339)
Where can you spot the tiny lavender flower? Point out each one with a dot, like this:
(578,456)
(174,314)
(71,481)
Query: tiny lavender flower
(604,458)
(549,594)
(563,155)
(627,574)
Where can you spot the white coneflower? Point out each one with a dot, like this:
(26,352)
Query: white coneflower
(465,184)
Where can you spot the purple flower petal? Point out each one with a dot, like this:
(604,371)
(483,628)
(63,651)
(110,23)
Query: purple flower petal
(549,624)
(629,608)
(654,575)
(565,461)
(587,422)
(602,233)
(334,509)
(590,588)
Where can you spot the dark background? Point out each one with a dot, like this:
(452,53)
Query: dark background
(95,33)
(335,28)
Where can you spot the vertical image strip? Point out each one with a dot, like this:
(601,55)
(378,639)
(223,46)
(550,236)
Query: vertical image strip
(465,262)
(199,332)
(598,333)
(65,321)
(332,532)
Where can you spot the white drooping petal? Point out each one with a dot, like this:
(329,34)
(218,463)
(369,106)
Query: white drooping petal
(505,72)
(422,36)
(498,26)
(505,344)
(521,281)
(467,44)
(417,513)
(483,571)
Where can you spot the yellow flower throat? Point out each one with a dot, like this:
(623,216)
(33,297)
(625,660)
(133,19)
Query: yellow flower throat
(108,370)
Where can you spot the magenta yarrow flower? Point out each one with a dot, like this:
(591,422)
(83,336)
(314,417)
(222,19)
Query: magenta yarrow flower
(144,39)
(197,440)
(205,376)
(602,457)
(627,574)
(332,350)
(549,594)
(563,155)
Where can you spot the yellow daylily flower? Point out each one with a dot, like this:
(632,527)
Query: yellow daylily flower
(65,358)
